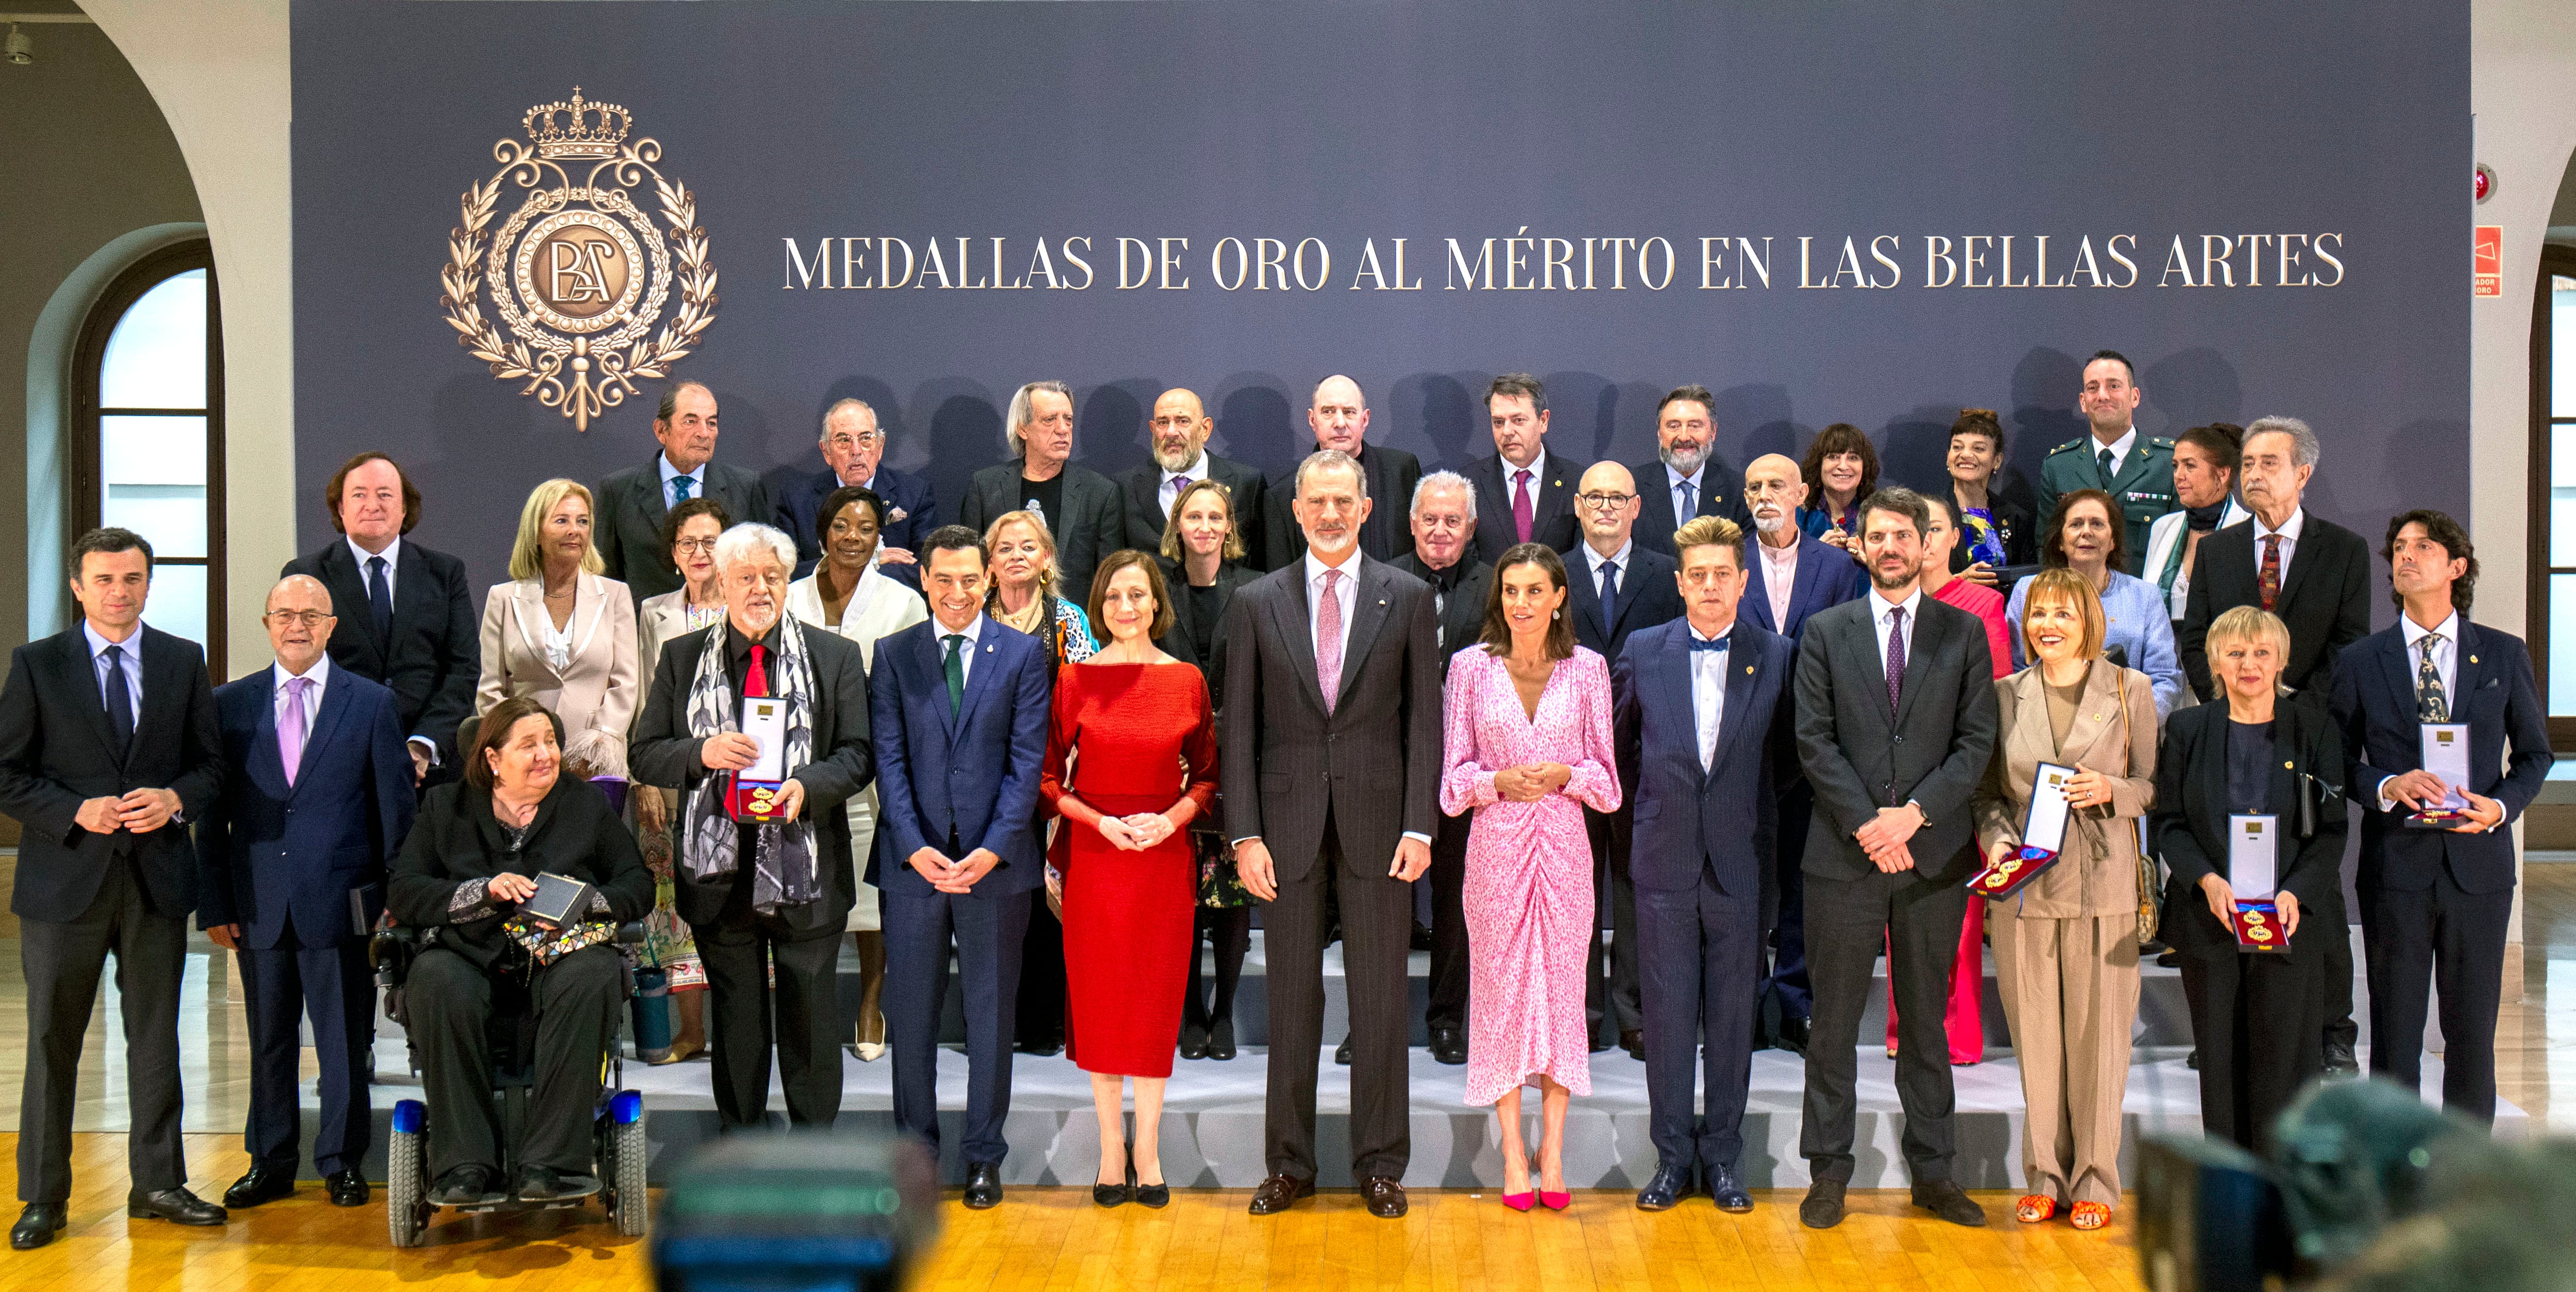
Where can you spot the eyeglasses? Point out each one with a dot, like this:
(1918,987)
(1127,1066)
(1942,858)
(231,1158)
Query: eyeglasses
(1604,501)
(707,545)
(308,618)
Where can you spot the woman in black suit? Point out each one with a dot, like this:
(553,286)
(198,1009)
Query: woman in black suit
(1203,566)
(470,860)
(2256,1017)
(1995,532)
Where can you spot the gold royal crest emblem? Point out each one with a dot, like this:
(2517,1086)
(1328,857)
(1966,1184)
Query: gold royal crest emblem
(578,274)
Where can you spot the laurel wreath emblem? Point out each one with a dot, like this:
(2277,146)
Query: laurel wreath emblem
(580,373)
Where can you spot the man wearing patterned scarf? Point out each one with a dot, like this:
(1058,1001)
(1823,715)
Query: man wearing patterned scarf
(774,894)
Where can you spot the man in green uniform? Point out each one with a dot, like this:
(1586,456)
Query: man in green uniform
(2136,472)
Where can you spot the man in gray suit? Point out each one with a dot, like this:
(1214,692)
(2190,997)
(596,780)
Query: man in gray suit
(1895,721)
(1079,505)
(632,502)
(1332,736)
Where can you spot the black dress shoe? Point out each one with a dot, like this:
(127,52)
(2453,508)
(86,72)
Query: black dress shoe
(1221,1039)
(1448,1045)
(2192,1060)
(178,1206)
(1194,1041)
(541,1184)
(1043,1047)
(37,1225)
(1385,1196)
(983,1185)
(1945,1199)
(1728,1191)
(348,1188)
(1823,1206)
(1793,1035)
(260,1184)
(464,1186)
(1278,1193)
(2340,1061)
(1633,1040)
(1342,1052)
(1664,1189)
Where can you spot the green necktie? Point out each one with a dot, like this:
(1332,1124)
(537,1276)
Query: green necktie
(956,669)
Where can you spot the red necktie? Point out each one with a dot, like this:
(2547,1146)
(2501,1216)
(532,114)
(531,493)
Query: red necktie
(2270,579)
(1523,514)
(756,681)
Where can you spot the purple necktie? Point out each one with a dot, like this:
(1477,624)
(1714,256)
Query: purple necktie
(290,729)
(1523,515)
(1328,642)
(1895,658)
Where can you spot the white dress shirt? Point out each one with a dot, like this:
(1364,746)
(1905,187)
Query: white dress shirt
(1189,475)
(1880,610)
(2446,662)
(1625,556)
(131,663)
(973,632)
(1779,577)
(697,480)
(1708,691)
(1673,482)
(2289,532)
(393,565)
(320,676)
(2119,451)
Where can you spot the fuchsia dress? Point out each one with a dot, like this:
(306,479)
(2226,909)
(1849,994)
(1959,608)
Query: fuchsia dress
(1529,865)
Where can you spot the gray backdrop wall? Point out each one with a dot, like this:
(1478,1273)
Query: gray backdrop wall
(2199,140)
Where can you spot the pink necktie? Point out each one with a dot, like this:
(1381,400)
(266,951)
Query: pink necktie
(1523,517)
(290,729)
(1328,642)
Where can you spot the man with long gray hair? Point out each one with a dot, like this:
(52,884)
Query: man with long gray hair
(1078,504)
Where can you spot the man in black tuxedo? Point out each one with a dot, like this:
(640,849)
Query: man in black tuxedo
(854,454)
(2436,904)
(1895,722)
(1528,491)
(2315,575)
(1181,428)
(108,747)
(1332,711)
(1687,479)
(1617,588)
(1339,416)
(1078,504)
(411,627)
(632,501)
(1444,528)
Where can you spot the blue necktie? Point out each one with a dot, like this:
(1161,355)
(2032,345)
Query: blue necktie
(380,598)
(120,701)
(1719,645)
(680,486)
(1610,594)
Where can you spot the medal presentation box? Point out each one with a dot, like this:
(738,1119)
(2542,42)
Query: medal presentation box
(2043,834)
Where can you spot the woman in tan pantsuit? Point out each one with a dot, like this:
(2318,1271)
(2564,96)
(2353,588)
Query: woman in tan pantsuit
(561,633)
(2066,945)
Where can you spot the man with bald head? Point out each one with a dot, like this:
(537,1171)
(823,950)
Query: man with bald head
(317,795)
(1180,427)
(1338,414)
(854,445)
(1791,576)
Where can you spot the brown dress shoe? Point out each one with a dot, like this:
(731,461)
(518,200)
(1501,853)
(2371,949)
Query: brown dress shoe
(1385,1197)
(1278,1192)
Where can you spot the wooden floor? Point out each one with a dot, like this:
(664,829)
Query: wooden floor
(1055,1238)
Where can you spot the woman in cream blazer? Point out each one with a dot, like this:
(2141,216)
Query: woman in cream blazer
(2066,945)
(561,633)
(847,525)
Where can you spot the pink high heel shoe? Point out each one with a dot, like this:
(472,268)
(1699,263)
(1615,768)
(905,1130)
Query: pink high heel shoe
(1518,1201)
(1555,1201)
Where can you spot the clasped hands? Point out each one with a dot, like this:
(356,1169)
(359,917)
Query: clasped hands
(732,751)
(141,811)
(1136,831)
(1886,835)
(956,877)
(2419,789)
(1531,782)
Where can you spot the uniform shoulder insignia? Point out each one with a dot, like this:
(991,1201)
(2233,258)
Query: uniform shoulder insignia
(2076,443)
(2160,442)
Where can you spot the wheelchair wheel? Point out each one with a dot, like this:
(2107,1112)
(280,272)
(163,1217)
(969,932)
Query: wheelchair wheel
(407,1208)
(626,1153)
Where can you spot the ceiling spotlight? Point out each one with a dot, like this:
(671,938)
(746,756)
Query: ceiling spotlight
(22,51)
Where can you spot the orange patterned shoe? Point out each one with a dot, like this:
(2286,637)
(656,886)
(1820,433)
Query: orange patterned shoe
(2034,1208)
(2091,1215)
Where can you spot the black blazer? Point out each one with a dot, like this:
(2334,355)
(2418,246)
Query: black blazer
(1373,763)
(457,840)
(1648,595)
(1090,528)
(55,754)
(1182,642)
(2189,824)
(1721,493)
(795,494)
(2374,711)
(1392,474)
(1140,491)
(2325,599)
(1933,752)
(629,525)
(435,652)
(1552,522)
(661,751)
(1462,614)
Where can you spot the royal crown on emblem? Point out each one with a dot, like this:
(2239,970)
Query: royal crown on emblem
(578,128)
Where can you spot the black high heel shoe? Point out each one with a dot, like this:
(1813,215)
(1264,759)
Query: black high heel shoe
(1112,1195)
(1151,1195)
(1220,1043)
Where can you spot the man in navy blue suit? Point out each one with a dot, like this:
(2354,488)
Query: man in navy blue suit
(1699,774)
(960,704)
(853,454)
(2436,903)
(292,893)
(1789,576)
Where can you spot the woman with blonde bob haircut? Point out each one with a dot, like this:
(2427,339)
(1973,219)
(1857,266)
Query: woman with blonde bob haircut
(561,633)
(2066,945)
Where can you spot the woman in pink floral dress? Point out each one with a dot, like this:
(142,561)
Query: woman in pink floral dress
(1527,716)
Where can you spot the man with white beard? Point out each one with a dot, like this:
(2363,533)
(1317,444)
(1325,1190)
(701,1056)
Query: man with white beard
(1687,479)
(1180,428)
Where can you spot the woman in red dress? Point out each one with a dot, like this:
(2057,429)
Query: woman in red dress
(1136,725)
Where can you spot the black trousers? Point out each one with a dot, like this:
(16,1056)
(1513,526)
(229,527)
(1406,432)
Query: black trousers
(1377,934)
(1229,930)
(2443,937)
(2337,1013)
(1612,1002)
(1787,980)
(62,964)
(333,986)
(575,1000)
(800,1018)
(1448,880)
(2255,1020)
(1847,920)
(1702,954)
(1040,1013)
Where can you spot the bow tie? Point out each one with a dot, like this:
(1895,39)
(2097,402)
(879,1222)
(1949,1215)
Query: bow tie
(1718,645)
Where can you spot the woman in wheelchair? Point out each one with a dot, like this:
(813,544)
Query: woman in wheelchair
(471,860)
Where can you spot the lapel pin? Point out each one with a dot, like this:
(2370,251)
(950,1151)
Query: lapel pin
(1748,668)
(2473,659)
(2286,763)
